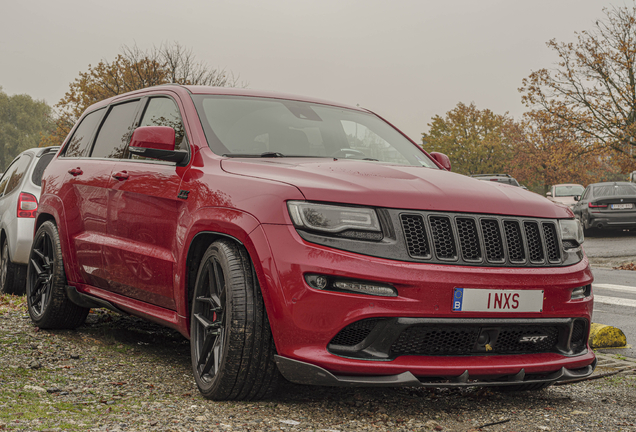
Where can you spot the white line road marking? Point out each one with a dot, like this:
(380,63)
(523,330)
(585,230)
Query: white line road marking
(615,301)
(613,287)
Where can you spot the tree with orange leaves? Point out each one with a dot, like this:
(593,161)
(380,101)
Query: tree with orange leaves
(592,91)
(132,69)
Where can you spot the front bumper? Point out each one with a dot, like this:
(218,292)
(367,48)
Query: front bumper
(305,320)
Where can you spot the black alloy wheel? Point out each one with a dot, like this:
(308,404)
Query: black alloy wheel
(231,343)
(48,305)
(41,273)
(208,312)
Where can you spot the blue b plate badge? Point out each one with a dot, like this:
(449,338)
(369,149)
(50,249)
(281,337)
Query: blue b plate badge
(492,300)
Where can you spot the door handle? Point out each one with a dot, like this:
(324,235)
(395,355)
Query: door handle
(76,171)
(122,175)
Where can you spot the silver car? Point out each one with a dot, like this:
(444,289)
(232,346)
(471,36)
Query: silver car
(20,187)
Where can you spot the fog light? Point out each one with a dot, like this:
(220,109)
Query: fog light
(330,283)
(321,282)
(581,292)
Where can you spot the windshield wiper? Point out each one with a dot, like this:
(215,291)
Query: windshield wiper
(260,155)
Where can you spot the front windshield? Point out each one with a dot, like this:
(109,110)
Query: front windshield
(566,191)
(238,126)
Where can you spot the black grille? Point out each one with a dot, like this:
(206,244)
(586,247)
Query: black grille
(443,238)
(421,340)
(466,340)
(492,240)
(538,339)
(468,239)
(514,240)
(551,242)
(474,239)
(533,237)
(355,333)
(416,238)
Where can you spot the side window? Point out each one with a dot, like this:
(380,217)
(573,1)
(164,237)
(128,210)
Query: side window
(115,132)
(162,111)
(7,175)
(44,161)
(585,193)
(79,144)
(16,178)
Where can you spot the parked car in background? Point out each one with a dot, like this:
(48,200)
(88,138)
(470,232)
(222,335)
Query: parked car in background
(632,177)
(609,205)
(499,178)
(565,193)
(288,235)
(19,194)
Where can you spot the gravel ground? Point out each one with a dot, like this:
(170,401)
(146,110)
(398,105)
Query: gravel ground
(123,374)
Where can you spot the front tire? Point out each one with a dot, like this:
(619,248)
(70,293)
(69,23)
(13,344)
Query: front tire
(231,342)
(48,305)
(12,276)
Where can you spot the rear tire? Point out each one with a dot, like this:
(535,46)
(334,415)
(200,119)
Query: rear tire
(48,305)
(231,342)
(12,276)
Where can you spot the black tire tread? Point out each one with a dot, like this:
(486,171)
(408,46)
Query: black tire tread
(15,281)
(60,313)
(250,373)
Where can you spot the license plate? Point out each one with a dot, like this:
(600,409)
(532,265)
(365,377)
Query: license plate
(490,300)
(622,206)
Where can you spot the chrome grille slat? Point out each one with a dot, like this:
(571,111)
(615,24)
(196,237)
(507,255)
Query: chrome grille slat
(481,239)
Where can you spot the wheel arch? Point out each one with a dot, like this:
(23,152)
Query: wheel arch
(199,244)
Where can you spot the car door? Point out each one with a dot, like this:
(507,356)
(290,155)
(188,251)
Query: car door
(581,205)
(88,160)
(143,214)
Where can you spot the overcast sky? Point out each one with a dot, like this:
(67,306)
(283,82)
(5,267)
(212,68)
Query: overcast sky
(407,60)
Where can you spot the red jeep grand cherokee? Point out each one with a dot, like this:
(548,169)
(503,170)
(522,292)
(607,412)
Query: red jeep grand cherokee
(297,237)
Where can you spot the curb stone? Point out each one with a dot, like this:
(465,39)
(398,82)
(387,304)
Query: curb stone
(605,336)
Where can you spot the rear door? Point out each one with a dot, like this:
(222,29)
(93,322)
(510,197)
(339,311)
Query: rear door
(88,160)
(143,214)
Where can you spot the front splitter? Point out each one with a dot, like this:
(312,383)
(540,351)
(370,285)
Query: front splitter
(305,373)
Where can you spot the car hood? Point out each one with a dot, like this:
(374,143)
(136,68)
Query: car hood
(382,185)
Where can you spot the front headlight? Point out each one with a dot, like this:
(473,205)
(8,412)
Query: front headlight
(571,233)
(332,219)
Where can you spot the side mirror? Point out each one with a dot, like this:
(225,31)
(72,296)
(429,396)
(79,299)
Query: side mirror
(156,142)
(442,159)
(548,194)
(577,198)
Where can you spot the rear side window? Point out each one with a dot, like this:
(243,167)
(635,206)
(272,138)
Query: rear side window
(44,161)
(115,132)
(16,178)
(7,175)
(79,144)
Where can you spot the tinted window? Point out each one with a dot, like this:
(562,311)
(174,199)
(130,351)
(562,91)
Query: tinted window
(585,193)
(7,175)
(115,132)
(162,111)
(614,190)
(18,174)
(43,162)
(79,144)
